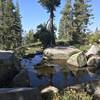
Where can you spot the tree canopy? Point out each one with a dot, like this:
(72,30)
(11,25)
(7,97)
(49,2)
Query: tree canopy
(75,20)
(50,6)
(10,27)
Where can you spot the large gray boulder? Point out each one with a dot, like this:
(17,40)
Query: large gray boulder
(94,61)
(20,94)
(7,67)
(77,60)
(60,53)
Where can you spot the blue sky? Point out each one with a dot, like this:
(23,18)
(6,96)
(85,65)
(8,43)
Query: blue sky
(33,14)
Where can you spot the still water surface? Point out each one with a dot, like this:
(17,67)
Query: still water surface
(46,74)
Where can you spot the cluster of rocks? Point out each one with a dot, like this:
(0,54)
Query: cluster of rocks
(10,75)
(20,94)
(79,60)
(14,79)
(74,56)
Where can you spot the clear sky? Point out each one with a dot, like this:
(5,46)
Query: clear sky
(34,14)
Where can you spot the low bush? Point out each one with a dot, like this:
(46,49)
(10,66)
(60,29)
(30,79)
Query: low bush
(69,95)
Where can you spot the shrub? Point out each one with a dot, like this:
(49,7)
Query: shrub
(73,95)
(69,95)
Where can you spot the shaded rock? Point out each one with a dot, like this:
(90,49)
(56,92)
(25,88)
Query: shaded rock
(78,60)
(8,67)
(60,53)
(94,89)
(20,94)
(95,49)
(94,61)
(21,80)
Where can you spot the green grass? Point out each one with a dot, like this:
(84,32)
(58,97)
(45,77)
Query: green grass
(69,95)
(82,47)
(31,50)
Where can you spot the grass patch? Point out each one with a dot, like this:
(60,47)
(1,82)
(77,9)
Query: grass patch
(31,50)
(73,95)
(82,47)
(68,95)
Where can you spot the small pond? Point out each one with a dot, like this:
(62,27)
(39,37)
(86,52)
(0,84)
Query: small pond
(50,73)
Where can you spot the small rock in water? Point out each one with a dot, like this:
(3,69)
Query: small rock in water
(21,79)
(50,88)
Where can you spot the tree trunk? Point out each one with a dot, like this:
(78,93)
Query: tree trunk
(52,29)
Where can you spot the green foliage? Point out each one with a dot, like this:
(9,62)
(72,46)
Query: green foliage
(43,35)
(17,26)
(67,95)
(82,47)
(73,95)
(94,37)
(10,27)
(29,38)
(49,4)
(74,21)
(65,28)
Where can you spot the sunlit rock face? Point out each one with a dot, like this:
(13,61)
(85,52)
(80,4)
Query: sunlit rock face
(77,60)
(20,94)
(60,54)
(7,67)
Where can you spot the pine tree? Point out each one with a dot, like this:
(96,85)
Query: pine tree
(17,26)
(50,6)
(81,19)
(30,37)
(11,28)
(1,23)
(65,27)
(74,21)
(8,22)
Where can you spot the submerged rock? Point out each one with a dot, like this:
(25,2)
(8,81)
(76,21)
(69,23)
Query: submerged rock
(20,94)
(78,60)
(21,80)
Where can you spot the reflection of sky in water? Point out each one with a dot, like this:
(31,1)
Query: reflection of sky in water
(59,79)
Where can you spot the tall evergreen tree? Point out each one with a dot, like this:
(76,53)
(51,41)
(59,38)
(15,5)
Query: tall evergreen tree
(81,19)
(30,37)
(8,22)
(17,26)
(66,22)
(75,19)
(11,29)
(50,5)
(1,23)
